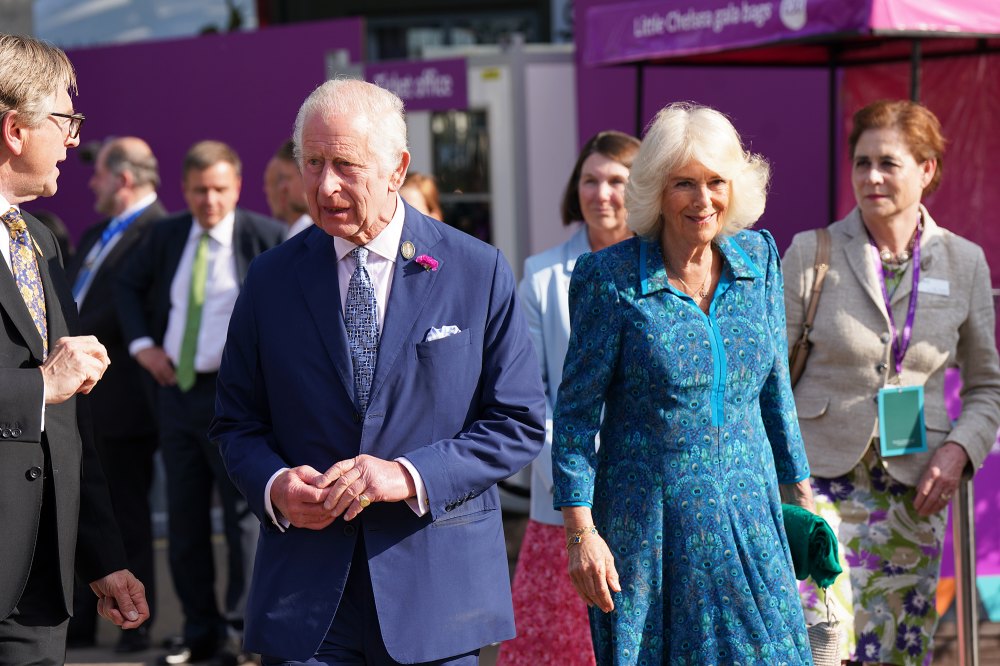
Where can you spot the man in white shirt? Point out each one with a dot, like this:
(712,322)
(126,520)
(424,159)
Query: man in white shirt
(57,514)
(124,182)
(175,296)
(286,196)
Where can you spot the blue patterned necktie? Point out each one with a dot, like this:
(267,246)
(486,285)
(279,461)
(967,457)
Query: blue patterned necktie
(24,266)
(362,327)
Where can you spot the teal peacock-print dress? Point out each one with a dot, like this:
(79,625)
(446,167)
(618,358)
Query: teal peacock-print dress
(699,427)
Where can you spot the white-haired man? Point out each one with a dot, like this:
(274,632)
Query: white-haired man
(371,447)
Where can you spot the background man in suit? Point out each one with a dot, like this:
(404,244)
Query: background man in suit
(286,195)
(124,183)
(370,447)
(174,297)
(52,490)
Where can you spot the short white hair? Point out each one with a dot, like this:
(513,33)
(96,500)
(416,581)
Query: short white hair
(682,132)
(380,110)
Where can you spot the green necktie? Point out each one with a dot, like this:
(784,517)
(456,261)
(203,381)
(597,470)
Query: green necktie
(196,299)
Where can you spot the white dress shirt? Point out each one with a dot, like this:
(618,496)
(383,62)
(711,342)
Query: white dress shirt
(5,247)
(221,290)
(382,253)
(99,253)
(299,225)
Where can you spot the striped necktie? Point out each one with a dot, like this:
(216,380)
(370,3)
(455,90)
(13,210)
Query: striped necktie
(361,317)
(24,266)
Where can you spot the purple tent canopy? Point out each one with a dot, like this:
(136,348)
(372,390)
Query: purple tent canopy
(783,31)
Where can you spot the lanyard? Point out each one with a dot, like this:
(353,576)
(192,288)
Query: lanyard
(900,342)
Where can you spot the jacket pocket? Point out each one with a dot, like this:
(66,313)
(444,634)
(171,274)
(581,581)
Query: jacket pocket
(450,344)
(811,408)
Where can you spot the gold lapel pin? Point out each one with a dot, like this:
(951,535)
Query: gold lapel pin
(407,250)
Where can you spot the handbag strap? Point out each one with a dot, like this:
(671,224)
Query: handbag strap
(821,266)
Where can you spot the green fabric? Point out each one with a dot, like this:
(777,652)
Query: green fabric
(196,299)
(813,545)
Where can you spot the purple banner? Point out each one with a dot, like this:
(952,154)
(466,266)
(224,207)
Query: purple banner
(625,32)
(428,85)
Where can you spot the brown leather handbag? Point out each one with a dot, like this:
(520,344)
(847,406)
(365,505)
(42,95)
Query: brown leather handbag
(799,352)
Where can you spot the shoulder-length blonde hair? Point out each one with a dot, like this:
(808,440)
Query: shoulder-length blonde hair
(682,132)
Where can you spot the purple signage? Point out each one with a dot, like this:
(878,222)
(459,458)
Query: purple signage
(624,32)
(428,85)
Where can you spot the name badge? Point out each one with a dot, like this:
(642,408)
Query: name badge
(901,427)
(936,286)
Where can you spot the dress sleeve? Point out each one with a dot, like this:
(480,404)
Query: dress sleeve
(777,404)
(587,372)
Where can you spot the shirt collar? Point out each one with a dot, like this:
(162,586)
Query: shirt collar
(141,204)
(386,244)
(222,233)
(6,205)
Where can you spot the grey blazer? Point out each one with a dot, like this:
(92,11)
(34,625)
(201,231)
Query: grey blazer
(851,357)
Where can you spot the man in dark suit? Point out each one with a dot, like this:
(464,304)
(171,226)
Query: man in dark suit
(124,183)
(377,382)
(283,188)
(53,497)
(174,297)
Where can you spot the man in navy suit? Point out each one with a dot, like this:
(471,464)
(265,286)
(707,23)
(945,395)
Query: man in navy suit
(174,298)
(378,380)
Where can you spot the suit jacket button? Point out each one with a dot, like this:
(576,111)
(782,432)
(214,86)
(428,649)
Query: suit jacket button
(33,473)
(357,417)
(885,338)
(881,368)
(16,432)
(6,432)
(349,530)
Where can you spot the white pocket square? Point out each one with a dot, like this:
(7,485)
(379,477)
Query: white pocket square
(437,333)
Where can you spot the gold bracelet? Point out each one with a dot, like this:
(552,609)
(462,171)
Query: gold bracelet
(577,535)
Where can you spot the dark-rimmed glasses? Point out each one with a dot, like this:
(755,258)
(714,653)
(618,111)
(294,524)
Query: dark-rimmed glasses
(75,122)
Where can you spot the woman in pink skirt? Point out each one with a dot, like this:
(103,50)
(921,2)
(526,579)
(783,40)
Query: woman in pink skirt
(552,624)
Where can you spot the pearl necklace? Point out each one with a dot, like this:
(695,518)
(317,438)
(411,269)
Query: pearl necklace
(898,259)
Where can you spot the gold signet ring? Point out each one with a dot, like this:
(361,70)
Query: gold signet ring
(364,501)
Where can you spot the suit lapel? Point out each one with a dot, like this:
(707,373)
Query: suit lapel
(859,257)
(317,275)
(411,287)
(13,305)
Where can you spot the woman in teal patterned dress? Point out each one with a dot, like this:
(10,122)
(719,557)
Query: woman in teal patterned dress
(674,526)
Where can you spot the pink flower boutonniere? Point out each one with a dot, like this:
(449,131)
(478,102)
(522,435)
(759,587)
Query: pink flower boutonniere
(428,262)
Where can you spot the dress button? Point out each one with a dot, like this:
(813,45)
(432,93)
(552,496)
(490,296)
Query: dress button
(33,473)
(349,530)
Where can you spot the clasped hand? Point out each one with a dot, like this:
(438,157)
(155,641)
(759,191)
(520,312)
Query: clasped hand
(312,500)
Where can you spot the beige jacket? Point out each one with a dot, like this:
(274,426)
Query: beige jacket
(851,357)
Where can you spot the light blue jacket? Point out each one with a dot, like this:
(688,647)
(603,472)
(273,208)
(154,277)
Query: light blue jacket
(544,295)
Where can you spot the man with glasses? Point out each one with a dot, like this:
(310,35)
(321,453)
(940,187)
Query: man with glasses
(53,496)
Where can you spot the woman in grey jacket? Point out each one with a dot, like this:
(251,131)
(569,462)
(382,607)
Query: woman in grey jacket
(903,300)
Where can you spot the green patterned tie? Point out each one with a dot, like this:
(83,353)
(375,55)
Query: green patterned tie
(24,266)
(196,299)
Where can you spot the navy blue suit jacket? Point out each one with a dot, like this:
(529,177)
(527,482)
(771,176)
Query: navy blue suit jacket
(467,410)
